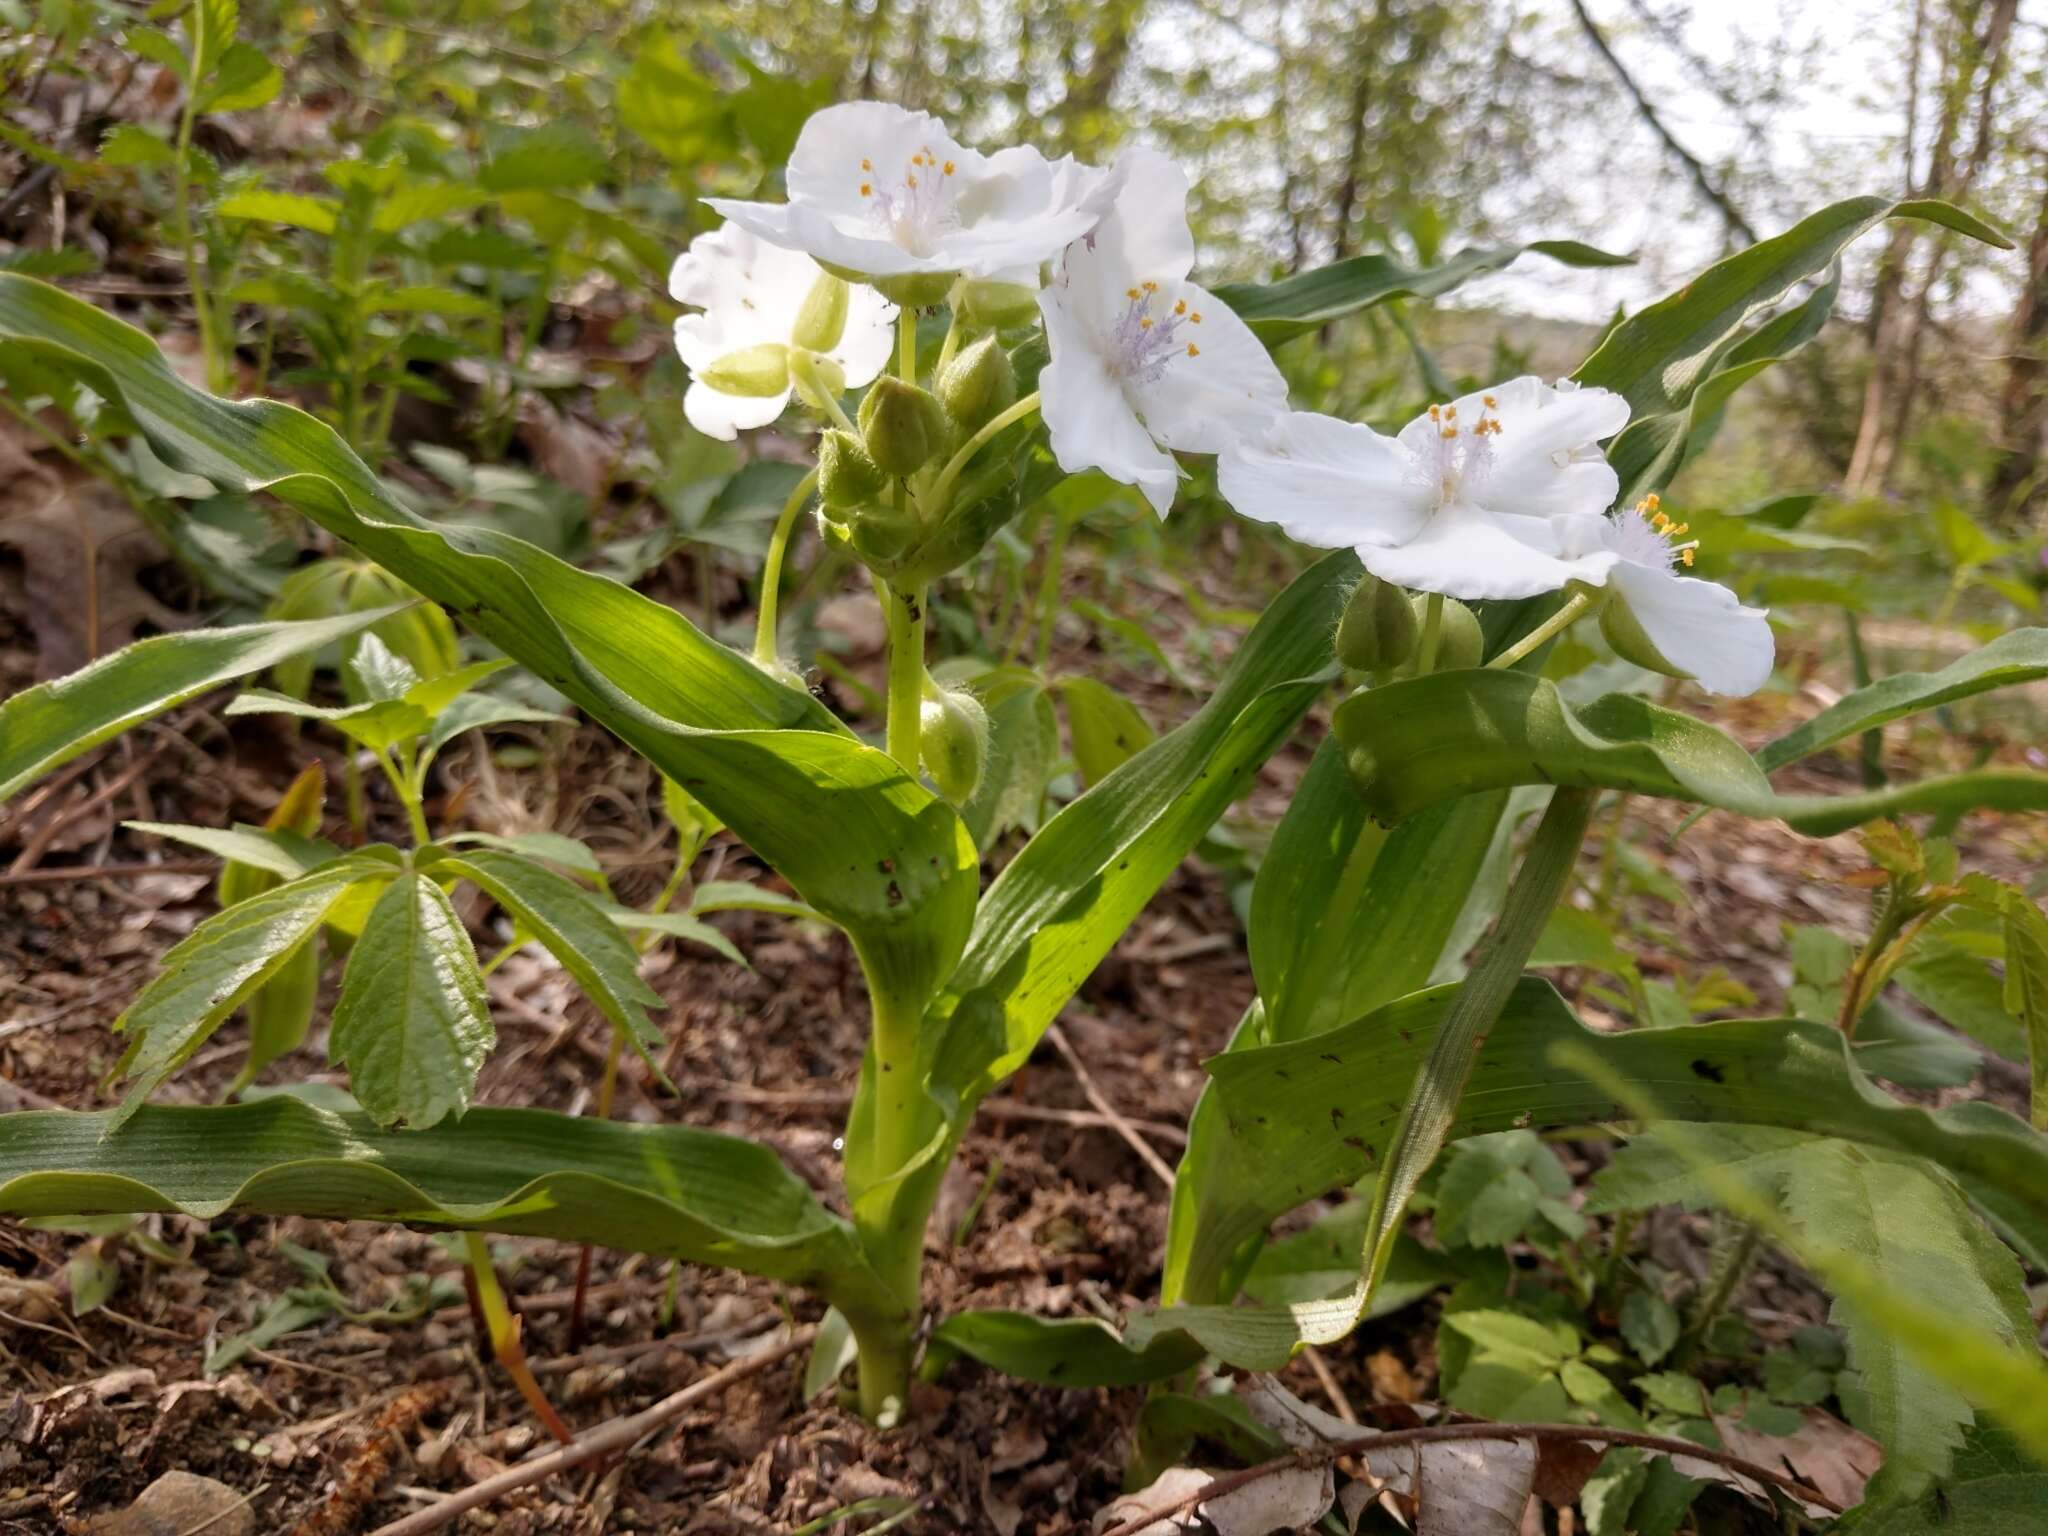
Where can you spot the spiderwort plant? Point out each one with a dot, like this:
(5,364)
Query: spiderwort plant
(1075,339)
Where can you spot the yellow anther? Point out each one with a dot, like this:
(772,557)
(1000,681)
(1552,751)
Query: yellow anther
(1193,350)
(1436,412)
(1130,293)
(910,182)
(1678,530)
(1150,287)
(1488,401)
(1180,306)
(1652,502)
(1450,431)
(1145,324)
(866,164)
(867,189)
(1685,555)
(1195,318)
(949,167)
(917,159)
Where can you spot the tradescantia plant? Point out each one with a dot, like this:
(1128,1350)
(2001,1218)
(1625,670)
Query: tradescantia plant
(1073,340)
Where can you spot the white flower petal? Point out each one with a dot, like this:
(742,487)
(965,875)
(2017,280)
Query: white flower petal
(1227,388)
(1546,458)
(825,169)
(1090,422)
(750,293)
(1330,483)
(726,416)
(1699,626)
(1466,552)
(870,338)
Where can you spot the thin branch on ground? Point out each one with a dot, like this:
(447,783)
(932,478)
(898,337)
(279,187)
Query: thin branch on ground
(1434,1433)
(1109,1112)
(615,1436)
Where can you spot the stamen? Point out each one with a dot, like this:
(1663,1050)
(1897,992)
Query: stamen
(1193,350)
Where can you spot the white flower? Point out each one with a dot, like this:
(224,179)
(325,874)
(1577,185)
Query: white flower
(1143,360)
(1663,620)
(752,294)
(881,192)
(1461,503)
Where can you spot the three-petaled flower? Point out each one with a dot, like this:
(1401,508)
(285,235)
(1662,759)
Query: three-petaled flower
(756,300)
(881,193)
(1462,502)
(1142,360)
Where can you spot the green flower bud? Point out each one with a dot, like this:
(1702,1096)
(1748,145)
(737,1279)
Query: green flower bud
(1460,644)
(914,290)
(983,301)
(1632,642)
(1379,627)
(822,320)
(846,475)
(953,740)
(978,384)
(903,427)
(752,372)
(879,533)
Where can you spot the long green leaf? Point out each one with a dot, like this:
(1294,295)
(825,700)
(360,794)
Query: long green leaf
(2020,656)
(861,841)
(1061,1352)
(413,1023)
(668,1190)
(46,726)
(1416,743)
(1313,1116)
(1307,300)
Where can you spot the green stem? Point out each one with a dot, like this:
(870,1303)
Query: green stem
(409,795)
(771,572)
(1857,990)
(181,212)
(906,344)
(950,345)
(943,486)
(1578,604)
(803,370)
(903,615)
(1731,1266)
(1432,635)
(1047,605)
(1497,964)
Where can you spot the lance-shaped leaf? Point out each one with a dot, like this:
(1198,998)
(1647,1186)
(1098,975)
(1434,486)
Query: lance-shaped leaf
(209,973)
(1308,300)
(1416,743)
(1313,1116)
(1106,727)
(859,839)
(574,928)
(1678,361)
(2020,656)
(283,854)
(46,726)
(666,1190)
(413,1024)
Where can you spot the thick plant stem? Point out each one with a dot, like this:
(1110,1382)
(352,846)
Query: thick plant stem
(1576,605)
(1432,1107)
(893,1233)
(1432,635)
(771,572)
(903,615)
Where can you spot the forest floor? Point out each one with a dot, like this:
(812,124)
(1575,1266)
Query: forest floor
(345,1425)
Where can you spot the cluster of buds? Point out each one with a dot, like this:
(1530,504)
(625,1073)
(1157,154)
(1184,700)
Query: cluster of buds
(1382,625)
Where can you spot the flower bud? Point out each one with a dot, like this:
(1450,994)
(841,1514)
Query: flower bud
(752,372)
(978,384)
(822,320)
(846,475)
(1460,644)
(914,290)
(984,301)
(953,740)
(1632,642)
(903,427)
(1379,627)
(879,532)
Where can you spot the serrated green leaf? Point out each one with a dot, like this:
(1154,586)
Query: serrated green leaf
(379,725)
(215,968)
(559,154)
(1993,1489)
(1650,1325)
(573,927)
(159,48)
(46,726)
(414,202)
(1960,989)
(296,210)
(1424,740)
(132,144)
(413,1024)
(244,79)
